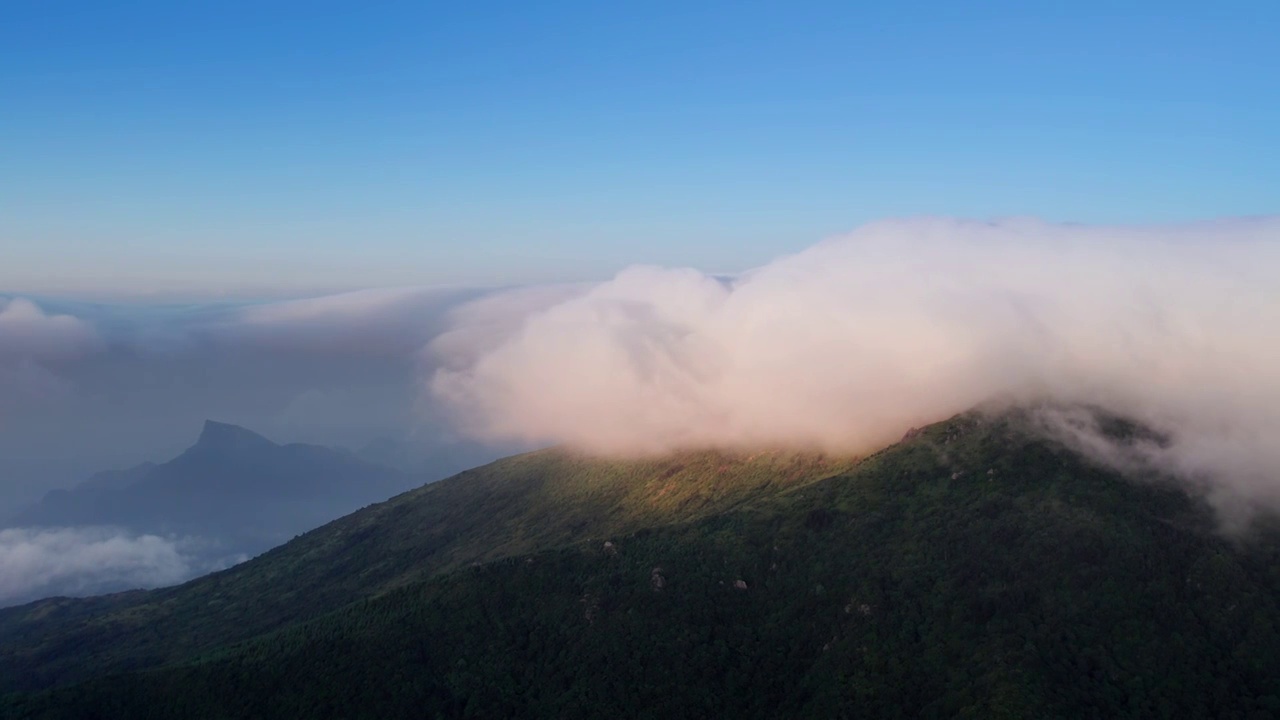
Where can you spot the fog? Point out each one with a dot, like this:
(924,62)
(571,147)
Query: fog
(73,561)
(33,344)
(847,344)
(86,387)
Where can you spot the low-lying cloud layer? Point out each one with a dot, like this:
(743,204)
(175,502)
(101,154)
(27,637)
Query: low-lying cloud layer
(846,345)
(38,562)
(842,346)
(86,387)
(33,345)
(27,332)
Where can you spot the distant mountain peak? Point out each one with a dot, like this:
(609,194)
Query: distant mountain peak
(224,437)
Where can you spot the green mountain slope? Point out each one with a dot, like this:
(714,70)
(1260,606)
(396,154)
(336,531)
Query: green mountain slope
(514,506)
(970,571)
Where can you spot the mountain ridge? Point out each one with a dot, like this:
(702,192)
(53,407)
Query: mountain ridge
(974,569)
(223,456)
(503,509)
(232,494)
(225,437)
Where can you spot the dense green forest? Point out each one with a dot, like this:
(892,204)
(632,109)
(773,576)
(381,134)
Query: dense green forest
(973,570)
(518,505)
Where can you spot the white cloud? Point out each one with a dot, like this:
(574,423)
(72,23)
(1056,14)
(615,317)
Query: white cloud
(386,321)
(33,348)
(28,333)
(851,342)
(37,562)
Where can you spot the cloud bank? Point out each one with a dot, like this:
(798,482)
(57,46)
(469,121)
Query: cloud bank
(86,387)
(27,332)
(38,562)
(846,345)
(842,346)
(33,346)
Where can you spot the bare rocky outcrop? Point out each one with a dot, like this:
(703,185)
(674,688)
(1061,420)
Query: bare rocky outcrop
(657,579)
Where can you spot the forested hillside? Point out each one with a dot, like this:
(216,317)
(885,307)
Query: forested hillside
(518,505)
(973,570)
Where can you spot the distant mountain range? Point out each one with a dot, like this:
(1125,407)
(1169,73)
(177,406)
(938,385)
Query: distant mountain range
(230,496)
(976,569)
(232,484)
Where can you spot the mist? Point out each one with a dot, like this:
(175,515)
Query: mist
(86,387)
(841,347)
(81,561)
(848,344)
(33,345)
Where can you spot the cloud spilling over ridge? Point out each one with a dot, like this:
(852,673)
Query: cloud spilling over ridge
(847,344)
(37,562)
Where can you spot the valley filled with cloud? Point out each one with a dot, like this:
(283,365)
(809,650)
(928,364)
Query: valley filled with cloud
(842,347)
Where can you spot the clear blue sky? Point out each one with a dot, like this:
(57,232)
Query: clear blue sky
(243,147)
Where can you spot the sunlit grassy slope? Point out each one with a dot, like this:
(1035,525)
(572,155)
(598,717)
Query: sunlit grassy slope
(514,506)
(970,571)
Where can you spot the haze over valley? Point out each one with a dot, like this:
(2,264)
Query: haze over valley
(842,347)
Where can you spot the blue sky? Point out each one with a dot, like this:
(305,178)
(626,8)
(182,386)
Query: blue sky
(259,148)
